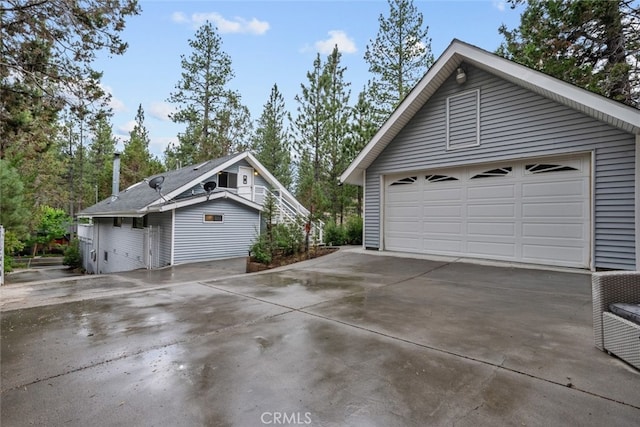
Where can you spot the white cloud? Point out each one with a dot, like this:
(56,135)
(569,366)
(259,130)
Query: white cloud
(126,128)
(161,111)
(116,105)
(179,17)
(237,25)
(157,145)
(499,4)
(336,37)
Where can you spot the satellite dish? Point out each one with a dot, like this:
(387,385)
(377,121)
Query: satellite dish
(209,186)
(156,183)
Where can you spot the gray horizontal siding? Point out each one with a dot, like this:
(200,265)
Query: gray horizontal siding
(516,123)
(163,222)
(125,246)
(199,241)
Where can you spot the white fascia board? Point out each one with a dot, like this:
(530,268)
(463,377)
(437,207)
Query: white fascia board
(199,179)
(206,198)
(129,214)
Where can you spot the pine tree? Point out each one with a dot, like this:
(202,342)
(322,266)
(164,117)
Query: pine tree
(216,121)
(310,131)
(592,44)
(101,159)
(271,141)
(398,57)
(137,163)
(338,114)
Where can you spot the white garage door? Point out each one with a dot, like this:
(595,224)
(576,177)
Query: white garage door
(535,211)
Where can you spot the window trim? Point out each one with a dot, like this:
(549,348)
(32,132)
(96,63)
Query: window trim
(448,118)
(213,218)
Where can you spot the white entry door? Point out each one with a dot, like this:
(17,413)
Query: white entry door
(245,182)
(535,211)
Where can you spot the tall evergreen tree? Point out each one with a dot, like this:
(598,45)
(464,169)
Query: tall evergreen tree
(101,159)
(398,57)
(271,141)
(213,114)
(338,114)
(592,44)
(310,130)
(137,162)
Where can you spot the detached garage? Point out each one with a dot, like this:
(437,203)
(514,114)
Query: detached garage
(505,163)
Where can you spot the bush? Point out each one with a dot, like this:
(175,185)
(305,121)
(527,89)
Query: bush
(354,230)
(72,256)
(260,250)
(334,234)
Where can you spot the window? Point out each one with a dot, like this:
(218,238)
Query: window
(440,178)
(227,180)
(140,222)
(543,168)
(106,256)
(117,221)
(463,120)
(404,181)
(494,172)
(213,218)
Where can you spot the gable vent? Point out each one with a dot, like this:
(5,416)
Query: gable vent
(463,120)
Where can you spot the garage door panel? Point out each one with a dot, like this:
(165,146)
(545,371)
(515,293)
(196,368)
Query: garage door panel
(404,226)
(447,211)
(554,188)
(506,250)
(435,244)
(491,192)
(398,196)
(549,210)
(491,211)
(441,194)
(404,212)
(548,230)
(491,229)
(442,227)
(565,255)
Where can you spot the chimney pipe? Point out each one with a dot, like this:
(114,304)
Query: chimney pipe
(115,184)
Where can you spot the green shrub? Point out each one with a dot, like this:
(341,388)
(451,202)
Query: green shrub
(354,230)
(72,256)
(334,234)
(260,250)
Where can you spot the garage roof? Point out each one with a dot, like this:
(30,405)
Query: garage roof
(594,105)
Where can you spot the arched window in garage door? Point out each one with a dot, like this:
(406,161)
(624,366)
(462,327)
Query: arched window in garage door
(440,178)
(544,168)
(405,181)
(497,172)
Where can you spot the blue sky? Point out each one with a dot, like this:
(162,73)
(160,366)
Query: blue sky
(269,42)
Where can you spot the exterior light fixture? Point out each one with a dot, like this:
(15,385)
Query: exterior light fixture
(461,76)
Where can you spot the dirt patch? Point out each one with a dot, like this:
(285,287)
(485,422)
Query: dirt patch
(281,260)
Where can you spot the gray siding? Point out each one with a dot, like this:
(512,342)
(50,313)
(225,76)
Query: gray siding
(199,241)
(163,222)
(516,123)
(124,245)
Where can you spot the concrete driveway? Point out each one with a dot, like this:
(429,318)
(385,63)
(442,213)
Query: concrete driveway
(349,339)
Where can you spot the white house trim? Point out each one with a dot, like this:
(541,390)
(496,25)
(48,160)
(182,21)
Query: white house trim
(597,106)
(204,198)
(173,236)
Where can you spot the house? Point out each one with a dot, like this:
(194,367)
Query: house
(202,212)
(486,158)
